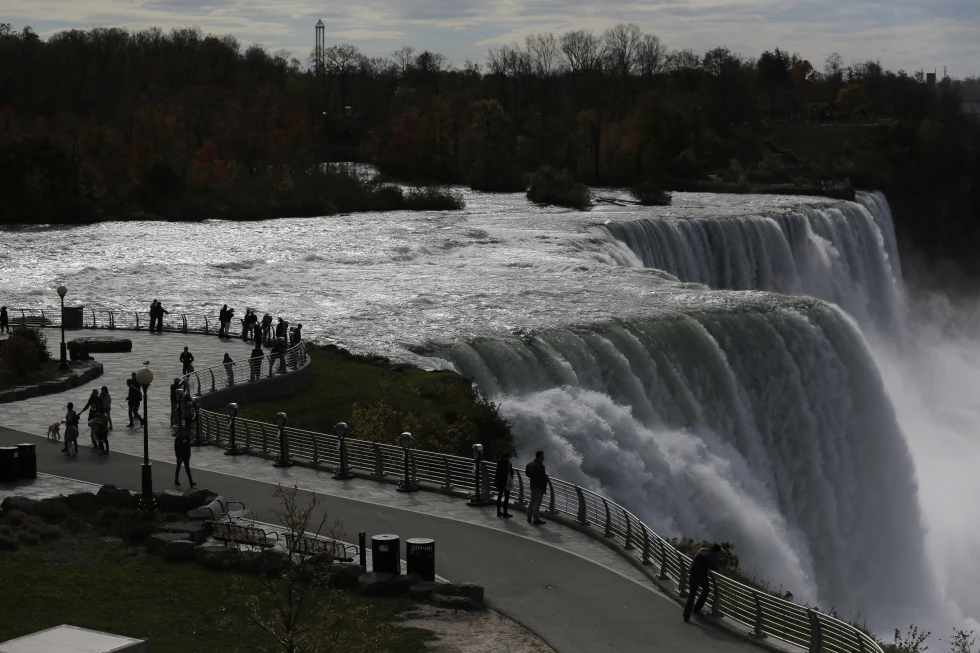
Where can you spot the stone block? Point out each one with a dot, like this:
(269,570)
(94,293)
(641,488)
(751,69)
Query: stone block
(110,495)
(84,502)
(199,498)
(382,584)
(178,550)
(173,501)
(156,543)
(23,504)
(421,591)
(344,575)
(197,530)
(456,602)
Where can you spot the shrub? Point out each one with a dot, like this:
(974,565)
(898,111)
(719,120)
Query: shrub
(651,194)
(549,186)
(37,337)
(15,517)
(52,510)
(431,198)
(19,355)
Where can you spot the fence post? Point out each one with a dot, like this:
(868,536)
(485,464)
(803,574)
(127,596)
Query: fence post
(213,388)
(682,581)
(272,364)
(379,462)
(551,504)
(582,517)
(629,531)
(316,451)
(816,637)
(112,320)
(248,437)
(520,488)
(487,490)
(265,439)
(663,561)
(646,546)
(448,485)
(715,605)
(607,532)
(757,631)
(362,546)
(137,321)
(184,318)
(857,633)
(206,329)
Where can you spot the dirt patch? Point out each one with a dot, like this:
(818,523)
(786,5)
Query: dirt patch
(473,632)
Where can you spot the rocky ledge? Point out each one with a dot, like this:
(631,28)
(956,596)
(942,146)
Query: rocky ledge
(79,374)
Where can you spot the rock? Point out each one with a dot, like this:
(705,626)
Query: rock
(382,584)
(344,575)
(156,543)
(84,502)
(421,591)
(199,498)
(80,348)
(456,602)
(198,531)
(218,557)
(23,504)
(110,495)
(178,550)
(173,501)
(198,514)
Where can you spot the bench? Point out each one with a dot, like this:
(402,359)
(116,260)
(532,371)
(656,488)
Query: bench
(238,534)
(220,510)
(308,545)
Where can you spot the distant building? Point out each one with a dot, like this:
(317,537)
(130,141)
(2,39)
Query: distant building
(931,80)
(971,110)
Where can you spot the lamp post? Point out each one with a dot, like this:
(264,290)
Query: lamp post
(343,472)
(144,377)
(406,484)
(282,460)
(232,449)
(62,291)
(477,500)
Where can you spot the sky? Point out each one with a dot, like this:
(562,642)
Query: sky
(902,34)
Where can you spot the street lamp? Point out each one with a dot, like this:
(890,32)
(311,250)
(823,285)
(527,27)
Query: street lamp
(282,460)
(144,377)
(406,484)
(343,472)
(232,449)
(62,291)
(477,500)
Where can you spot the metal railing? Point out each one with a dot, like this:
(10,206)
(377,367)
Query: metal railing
(237,373)
(126,320)
(765,614)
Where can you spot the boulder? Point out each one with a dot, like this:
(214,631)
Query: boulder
(198,531)
(110,495)
(469,590)
(456,602)
(156,543)
(178,550)
(198,514)
(344,575)
(173,501)
(382,584)
(198,498)
(218,557)
(84,502)
(23,504)
(421,591)
(80,348)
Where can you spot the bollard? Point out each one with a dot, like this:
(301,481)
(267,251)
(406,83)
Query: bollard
(232,449)
(477,499)
(282,460)
(362,543)
(407,484)
(343,472)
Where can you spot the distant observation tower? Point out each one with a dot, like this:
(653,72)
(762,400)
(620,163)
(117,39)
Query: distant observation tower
(321,40)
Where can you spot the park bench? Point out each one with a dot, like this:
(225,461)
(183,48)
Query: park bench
(220,510)
(238,534)
(309,545)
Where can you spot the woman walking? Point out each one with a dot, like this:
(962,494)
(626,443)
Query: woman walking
(182,449)
(92,406)
(106,404)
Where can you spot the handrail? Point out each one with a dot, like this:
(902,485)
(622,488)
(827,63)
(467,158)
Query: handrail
(766,615)
(238,373)
(125,320)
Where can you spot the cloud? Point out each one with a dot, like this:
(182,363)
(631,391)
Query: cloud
(909,34)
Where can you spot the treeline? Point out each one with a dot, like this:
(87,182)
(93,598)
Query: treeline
(107,117)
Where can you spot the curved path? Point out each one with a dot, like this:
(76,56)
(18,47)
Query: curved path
(570,590)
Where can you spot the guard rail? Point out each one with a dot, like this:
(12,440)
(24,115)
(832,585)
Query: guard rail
(126,320)
(766,615)
(227,375)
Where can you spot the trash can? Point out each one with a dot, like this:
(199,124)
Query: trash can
(385,556)
(420,557)
(8,464)
(74,317)
(26,461)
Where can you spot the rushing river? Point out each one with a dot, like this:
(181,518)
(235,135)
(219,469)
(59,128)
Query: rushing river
(745,368)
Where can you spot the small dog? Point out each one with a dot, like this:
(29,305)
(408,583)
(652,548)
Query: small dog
(54,431)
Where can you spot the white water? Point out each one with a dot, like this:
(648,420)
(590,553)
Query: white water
(747,416)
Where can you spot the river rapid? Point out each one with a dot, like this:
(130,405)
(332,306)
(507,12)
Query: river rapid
(747,368)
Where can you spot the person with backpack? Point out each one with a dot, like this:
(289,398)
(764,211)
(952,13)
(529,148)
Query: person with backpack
(134,398)
(538,480)
(504,482)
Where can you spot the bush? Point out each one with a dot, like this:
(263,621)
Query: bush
(549,186)
(37,337)
(431,198)
(52,510)
(19,355)
(651,194)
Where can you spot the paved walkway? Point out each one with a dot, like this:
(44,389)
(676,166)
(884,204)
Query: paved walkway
(572,591)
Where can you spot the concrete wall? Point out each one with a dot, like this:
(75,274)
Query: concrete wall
(266,389)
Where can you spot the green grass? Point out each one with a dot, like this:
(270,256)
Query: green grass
(10,378)
(85,581)
(442,409)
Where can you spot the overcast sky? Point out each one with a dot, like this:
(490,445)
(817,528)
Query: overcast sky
(903,34)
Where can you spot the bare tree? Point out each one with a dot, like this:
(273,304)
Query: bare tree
(543,53)
(651,56)
(621,47)
(404,57)
(581,50)
(341,61)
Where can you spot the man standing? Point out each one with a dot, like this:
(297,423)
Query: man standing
(161,311)
(503,481)
(538,479)
(186,359)
(153,315)
(134,398)
(223,319)
(255,362)
(705,560)
(4,320)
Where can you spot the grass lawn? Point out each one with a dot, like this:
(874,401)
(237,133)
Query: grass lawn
(10,379)
(86,581)
(440,408)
